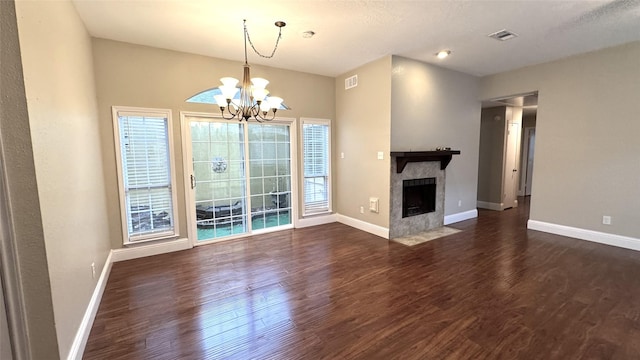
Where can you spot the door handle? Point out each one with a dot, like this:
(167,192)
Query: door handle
(514,170)
(193,181)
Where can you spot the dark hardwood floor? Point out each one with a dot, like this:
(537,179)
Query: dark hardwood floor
(492,291)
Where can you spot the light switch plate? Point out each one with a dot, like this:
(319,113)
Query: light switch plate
(373,204)
(380,155)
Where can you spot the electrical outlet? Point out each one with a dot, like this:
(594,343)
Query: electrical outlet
(361,209)
(93,270)
(606,220)
(459,203)
(342,155)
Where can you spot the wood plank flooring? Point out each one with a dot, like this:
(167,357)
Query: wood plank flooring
(493,291)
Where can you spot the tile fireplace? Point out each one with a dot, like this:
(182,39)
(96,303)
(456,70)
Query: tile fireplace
(417,191)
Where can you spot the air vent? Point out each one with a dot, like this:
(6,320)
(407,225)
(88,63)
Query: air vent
(503,35)
(351,82)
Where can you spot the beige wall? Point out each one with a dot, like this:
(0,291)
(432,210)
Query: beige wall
(61,101)
(433,107)
(133,75)
(362,130)
(586,137)
(25,233)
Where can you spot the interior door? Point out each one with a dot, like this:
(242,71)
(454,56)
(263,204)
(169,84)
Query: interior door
(510,187)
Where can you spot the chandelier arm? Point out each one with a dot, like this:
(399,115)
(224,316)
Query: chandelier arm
(262,118)
(255,113)
(224,117)
(231,112)
(275,47)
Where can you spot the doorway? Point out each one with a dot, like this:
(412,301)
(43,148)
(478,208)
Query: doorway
(502,172)
(239,177)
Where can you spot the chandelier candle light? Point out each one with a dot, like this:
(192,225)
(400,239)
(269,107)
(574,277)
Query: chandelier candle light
(254,100)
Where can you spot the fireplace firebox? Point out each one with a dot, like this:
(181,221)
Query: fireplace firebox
(418,196)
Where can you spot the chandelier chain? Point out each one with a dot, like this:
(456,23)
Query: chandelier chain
(256,50)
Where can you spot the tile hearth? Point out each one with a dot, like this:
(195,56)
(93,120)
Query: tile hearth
(422,237)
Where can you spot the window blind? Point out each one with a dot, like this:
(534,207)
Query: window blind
(146,168)
(316,186)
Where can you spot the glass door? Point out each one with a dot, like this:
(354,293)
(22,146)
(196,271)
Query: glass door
(219,179)
(240,176)
(270,175)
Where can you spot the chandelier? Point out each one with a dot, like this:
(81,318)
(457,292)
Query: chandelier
(253,100)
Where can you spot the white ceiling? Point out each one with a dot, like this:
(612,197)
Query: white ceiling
(352,33)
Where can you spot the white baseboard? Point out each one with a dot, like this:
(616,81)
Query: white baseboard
(364,226)
(316,220)
(583,234)
(490,206)
(462,216)
(80,340)
(150,249)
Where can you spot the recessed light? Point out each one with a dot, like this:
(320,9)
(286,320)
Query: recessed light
(443,54)
(308,34)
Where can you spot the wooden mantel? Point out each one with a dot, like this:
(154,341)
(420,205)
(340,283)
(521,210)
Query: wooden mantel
(404,157)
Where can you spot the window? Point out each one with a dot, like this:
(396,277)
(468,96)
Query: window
(316,141)
(208,97)
(145,173)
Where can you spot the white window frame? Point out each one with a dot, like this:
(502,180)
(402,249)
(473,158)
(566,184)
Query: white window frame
(313,121)
(166,113)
